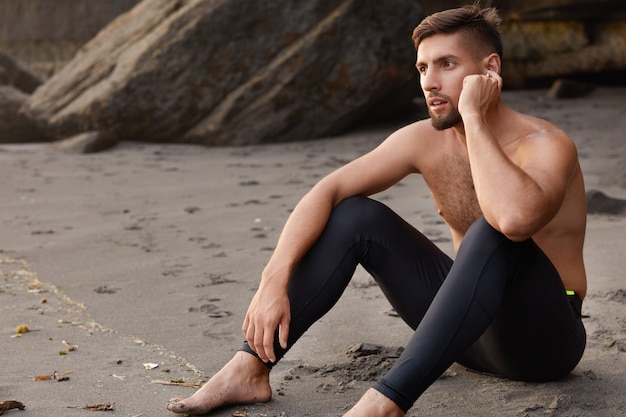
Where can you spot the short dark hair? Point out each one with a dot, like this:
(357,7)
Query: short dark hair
(480,24)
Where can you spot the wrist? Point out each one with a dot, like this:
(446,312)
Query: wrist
(473,118)
(276,274)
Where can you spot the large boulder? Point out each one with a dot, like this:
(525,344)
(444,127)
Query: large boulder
(536,50)
(542,10)
(14,125)
(233,72)
(18,74)
(46,34)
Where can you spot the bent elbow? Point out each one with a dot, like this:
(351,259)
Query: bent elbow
(516,230)
(516,237)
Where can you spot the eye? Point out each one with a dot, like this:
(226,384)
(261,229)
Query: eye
(421,69)
(448,64)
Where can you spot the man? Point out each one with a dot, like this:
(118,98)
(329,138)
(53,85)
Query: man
(510,188)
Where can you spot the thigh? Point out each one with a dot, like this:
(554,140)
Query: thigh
(407,266)
(535,335)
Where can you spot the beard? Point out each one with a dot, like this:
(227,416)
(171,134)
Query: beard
(445,121)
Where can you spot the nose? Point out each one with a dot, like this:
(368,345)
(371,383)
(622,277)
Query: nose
(429,81)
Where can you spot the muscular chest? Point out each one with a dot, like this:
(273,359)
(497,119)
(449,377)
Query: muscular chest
(450,181)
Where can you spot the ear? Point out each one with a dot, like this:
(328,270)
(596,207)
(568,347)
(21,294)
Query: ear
(493,63)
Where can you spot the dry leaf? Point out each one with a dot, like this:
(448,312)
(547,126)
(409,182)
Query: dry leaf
(179,382)
(100,407)
(10,405)
(46,377)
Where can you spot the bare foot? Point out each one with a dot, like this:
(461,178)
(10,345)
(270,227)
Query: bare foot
(374,404)
(243,380)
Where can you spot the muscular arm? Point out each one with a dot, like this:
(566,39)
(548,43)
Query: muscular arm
(369,174)
(522,189)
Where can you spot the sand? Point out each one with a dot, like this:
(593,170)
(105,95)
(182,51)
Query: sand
(150,253)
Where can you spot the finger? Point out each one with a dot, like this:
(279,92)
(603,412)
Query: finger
(268,346)
(244,326)
(251,336)
(258,344)
(283,333)
(495,76)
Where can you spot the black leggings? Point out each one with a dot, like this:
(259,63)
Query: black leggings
(499,308)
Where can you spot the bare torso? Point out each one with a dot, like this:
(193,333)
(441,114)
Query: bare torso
(446,170)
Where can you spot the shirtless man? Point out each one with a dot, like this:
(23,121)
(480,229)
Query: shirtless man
(510,188)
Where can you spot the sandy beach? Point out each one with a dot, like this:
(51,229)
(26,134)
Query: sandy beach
(133,269)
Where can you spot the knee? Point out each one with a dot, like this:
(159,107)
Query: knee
(480,240)
(481,229)
(354,212)
(481,223)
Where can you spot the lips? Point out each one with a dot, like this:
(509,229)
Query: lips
(436,103)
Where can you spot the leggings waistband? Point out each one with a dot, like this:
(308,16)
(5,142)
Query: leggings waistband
(576,302)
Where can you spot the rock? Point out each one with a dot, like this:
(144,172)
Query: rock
(18,74)
(539,10)
(87,142)
(600,203)
(549,50)
(364,349)
(563,10)
(206,72)
(14,125)
(562,88)
(46,34)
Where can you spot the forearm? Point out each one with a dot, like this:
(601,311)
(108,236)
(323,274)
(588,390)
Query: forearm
(303,227)
(509,198)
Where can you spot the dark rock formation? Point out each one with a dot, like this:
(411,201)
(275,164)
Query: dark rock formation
(239,72)
(233,72)
(14,125)
(536,50)
(600,203)
(46,34)
(18,74)
(563,10)
(542,10)
(570,89)
(88,142)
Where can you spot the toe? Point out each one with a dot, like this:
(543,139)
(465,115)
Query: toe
(175,404)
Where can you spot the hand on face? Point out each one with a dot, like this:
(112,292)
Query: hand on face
(479,93)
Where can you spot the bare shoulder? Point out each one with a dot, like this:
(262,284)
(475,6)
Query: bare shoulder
(413,131)
(537,129)
(417,141)
(543,142)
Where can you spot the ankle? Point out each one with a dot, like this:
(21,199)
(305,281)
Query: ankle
(250,365)
(251,360)
(374,403)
